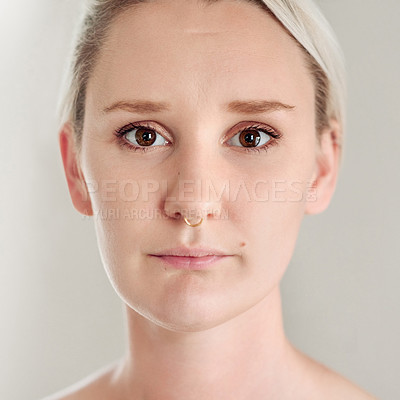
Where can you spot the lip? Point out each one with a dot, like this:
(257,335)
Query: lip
(191,252)
(190,263)
(190,258)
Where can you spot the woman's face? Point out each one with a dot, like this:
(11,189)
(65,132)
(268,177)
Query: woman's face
(197,60)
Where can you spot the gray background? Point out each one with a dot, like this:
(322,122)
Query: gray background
(60,319)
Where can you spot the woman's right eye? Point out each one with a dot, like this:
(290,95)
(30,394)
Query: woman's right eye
(139,137)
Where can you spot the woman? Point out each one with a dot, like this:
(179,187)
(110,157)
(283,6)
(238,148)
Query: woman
(198,134)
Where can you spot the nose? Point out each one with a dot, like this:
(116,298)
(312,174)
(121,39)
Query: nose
(194,193)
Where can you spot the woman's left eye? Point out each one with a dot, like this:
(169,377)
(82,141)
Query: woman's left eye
(254,138)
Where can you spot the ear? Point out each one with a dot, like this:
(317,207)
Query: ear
(75,179)
(326,171)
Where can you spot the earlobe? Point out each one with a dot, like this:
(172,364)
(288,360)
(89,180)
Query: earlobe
(75,179)
(327,167)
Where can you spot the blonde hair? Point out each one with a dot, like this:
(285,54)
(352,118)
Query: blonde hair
(302,19)
(306,23)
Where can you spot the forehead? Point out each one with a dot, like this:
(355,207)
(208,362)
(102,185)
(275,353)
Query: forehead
(192,52)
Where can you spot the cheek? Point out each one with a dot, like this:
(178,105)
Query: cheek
(113,184)
(128,224)
(270,226)
(269,214)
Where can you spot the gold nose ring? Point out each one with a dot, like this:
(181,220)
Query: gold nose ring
(192,225)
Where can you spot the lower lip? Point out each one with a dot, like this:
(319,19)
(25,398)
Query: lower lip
(190,263)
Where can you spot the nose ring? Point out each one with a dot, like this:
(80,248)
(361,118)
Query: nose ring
(192,225)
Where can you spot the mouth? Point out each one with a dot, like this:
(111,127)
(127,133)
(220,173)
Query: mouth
(190,258)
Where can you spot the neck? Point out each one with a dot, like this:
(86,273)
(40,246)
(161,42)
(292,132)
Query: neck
(248,356)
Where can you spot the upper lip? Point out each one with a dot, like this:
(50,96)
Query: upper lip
(190,252)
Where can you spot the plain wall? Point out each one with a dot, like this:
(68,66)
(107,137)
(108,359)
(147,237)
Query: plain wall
(60,318)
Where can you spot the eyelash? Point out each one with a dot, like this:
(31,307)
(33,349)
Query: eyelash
(121,132)
(275,136)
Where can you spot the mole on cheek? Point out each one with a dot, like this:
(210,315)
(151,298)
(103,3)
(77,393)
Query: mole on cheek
(242,244)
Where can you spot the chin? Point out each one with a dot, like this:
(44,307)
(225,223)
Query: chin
(195,313)
(192,322)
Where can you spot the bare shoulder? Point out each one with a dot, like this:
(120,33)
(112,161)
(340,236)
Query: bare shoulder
(338,387)
(96,386)
(324,383)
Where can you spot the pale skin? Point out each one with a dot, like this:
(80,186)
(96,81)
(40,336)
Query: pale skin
(218,333)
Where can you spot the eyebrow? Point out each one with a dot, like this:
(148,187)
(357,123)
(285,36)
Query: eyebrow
(138,106)
(238,106)
(257,106)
